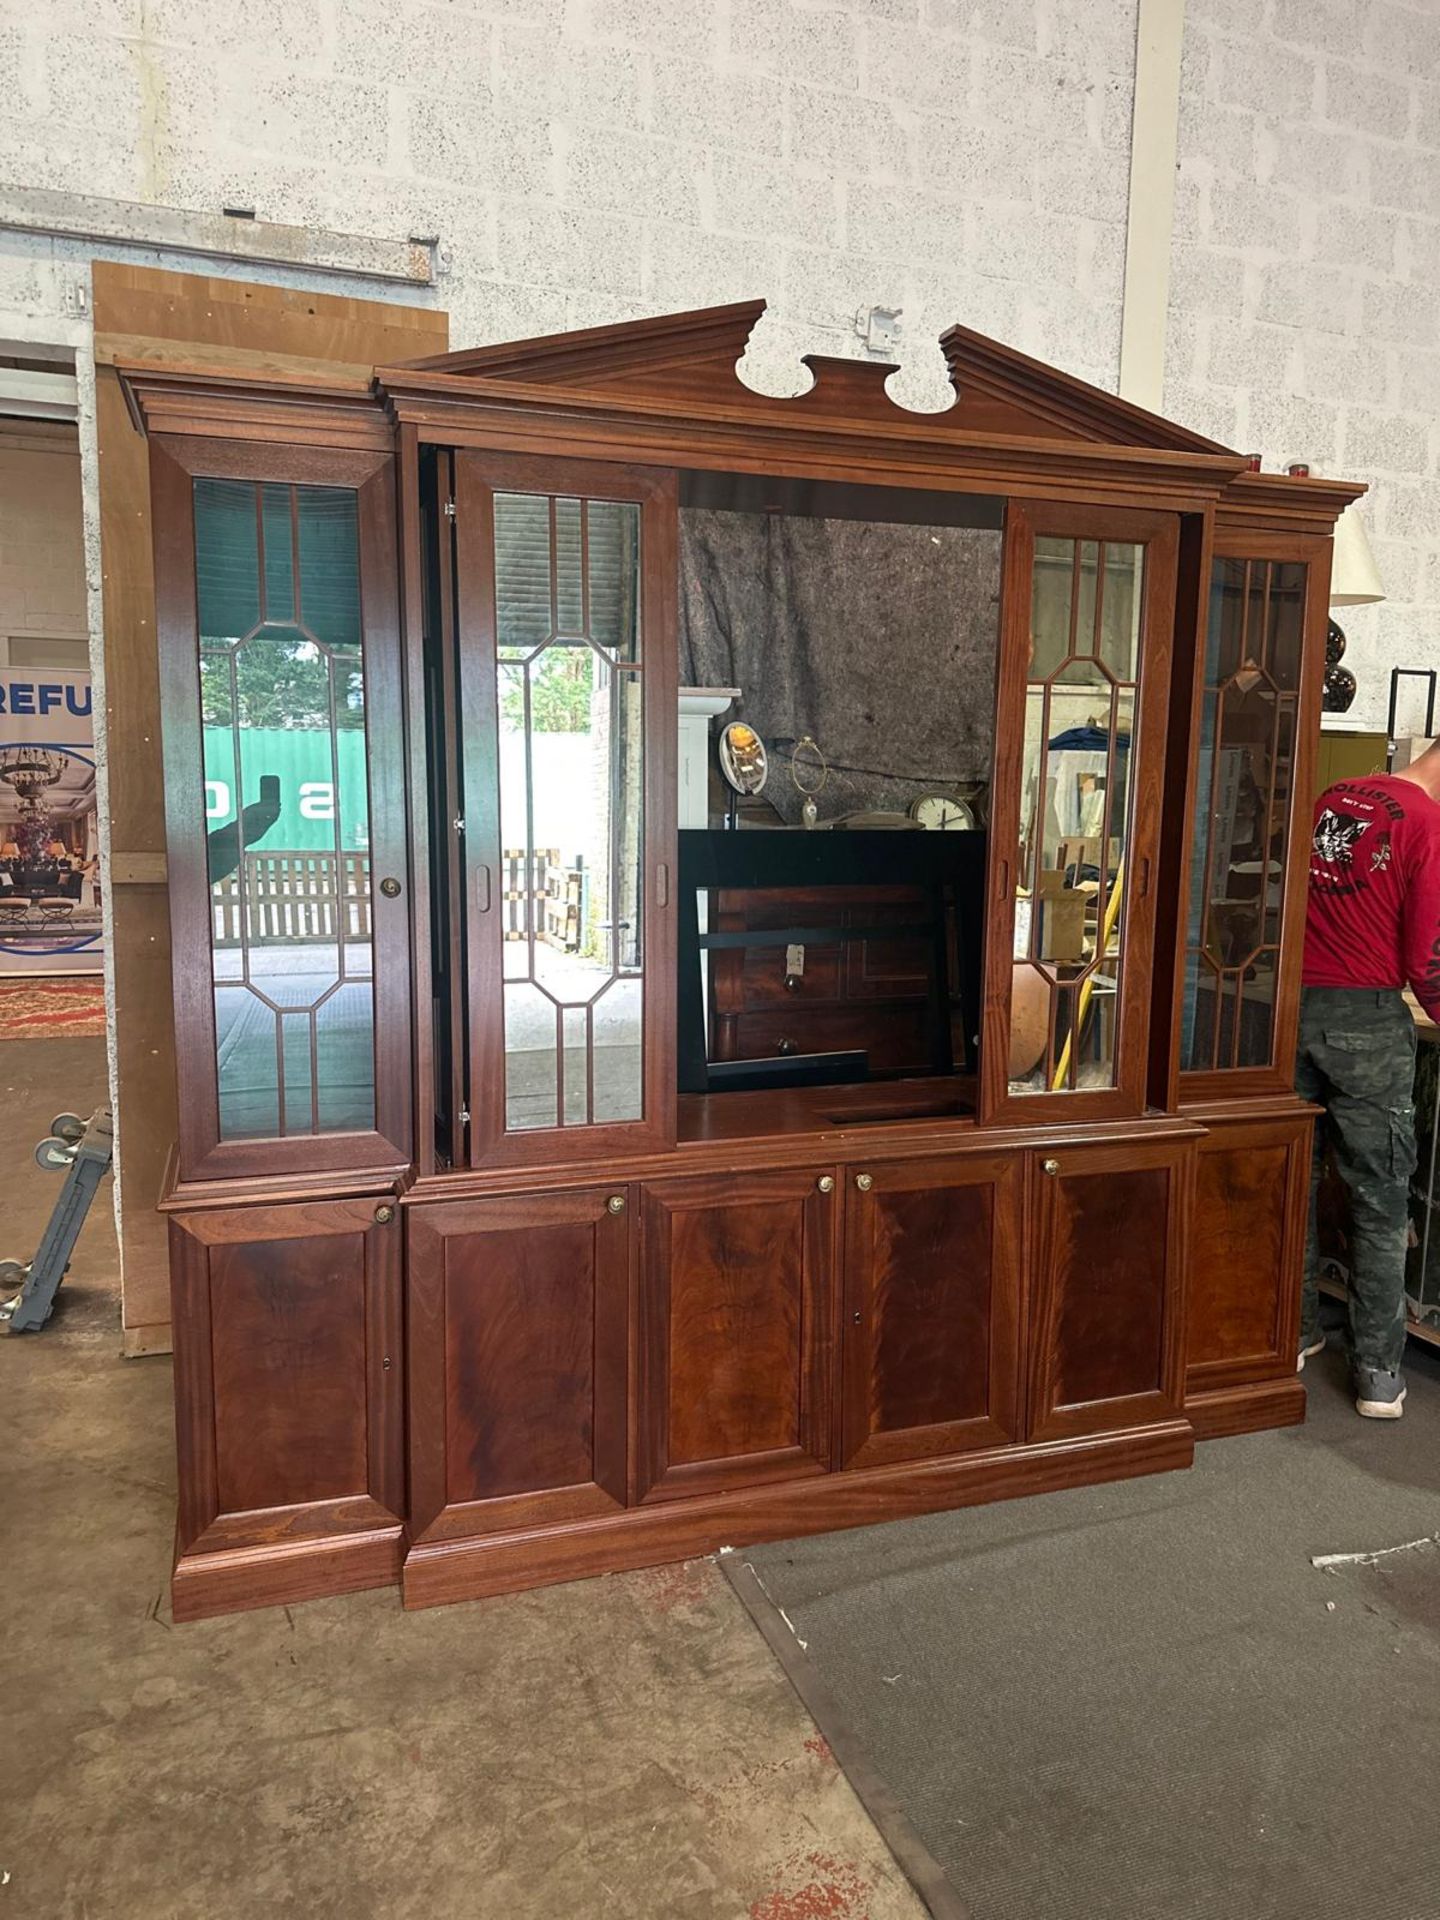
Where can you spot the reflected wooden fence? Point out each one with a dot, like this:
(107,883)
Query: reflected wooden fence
(548,899)
(293,899)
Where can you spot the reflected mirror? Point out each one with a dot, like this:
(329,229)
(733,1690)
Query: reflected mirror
(1079,743)
(287,821)
(1246,782)
(569,707)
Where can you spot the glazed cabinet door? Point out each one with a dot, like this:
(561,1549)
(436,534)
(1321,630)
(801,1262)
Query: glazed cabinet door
(289,886)
(287,1400)
(566,606)
(517,1337)
(1258,721)
(734,1341)
(1108,1231)
(1252,1192)
(1087,631)
(931,1336)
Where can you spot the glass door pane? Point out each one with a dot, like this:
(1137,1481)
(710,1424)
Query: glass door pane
(1249,723)
(569,714)
(1081,720)
(287,806)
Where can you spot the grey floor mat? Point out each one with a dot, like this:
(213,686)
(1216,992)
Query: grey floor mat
(1144,1700)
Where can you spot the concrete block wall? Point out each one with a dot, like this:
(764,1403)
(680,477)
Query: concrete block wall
(591,160)
(1305,301)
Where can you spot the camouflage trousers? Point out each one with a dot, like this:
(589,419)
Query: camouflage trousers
(1357,1061)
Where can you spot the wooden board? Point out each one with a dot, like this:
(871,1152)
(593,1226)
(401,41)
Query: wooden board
(142,312)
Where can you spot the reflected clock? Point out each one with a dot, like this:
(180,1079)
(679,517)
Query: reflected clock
(941,812)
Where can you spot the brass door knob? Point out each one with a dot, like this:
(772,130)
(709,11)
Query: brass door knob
(384,1213)
(826,1183)
(864,1182)
(1051,1167)
(390,888)
(616,1203)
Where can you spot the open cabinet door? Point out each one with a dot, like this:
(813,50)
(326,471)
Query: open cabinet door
(565,600)
(1086,627)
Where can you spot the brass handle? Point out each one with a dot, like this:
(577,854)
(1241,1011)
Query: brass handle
(616,1203)
(786,1047)
(826,1183)
(384,1213)
(1051,1167)
(864,1182)
(390,888)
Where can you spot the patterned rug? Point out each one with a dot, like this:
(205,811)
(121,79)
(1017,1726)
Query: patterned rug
(71,1009)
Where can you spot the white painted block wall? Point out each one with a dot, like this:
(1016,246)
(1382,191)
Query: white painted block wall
(1305,311)
(592,160)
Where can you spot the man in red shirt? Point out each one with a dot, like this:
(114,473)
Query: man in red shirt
(1372,927)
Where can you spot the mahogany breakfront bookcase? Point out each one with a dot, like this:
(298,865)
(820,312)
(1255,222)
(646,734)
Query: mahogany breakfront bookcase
(467,1295)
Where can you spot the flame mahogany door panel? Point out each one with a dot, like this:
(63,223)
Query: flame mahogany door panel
(932,1307)
(287,1395)
(517,1326)
(1247,1252)
(734,1345)
(1108,1233)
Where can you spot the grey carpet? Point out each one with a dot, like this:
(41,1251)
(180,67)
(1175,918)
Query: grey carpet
(1143,1700)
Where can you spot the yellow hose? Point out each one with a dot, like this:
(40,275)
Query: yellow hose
(1112,914)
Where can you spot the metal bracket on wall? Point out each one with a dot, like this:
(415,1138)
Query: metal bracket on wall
(417,261)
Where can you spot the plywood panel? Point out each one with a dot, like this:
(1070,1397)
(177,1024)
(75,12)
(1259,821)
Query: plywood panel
(160,314)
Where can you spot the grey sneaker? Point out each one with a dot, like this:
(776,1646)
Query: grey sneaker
(1379,1395)
(1310,1345)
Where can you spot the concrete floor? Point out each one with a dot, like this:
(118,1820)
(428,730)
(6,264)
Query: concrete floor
(620,1747)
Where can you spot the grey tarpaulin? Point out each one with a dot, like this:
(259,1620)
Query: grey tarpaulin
(877,639)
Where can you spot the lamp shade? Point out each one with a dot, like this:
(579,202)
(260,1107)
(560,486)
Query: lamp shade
(1354,577)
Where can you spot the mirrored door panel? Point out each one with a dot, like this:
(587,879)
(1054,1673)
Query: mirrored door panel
(287,807)
(284,794)
(566,657)
(1077,787)
(1251,811)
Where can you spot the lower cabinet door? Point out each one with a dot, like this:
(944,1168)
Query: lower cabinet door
(1109,1229)
(931,1334)
(734,1341)
(517,1340)
(288,1390)
(1252,1192)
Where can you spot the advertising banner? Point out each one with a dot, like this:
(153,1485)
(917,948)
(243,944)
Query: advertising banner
(49,831)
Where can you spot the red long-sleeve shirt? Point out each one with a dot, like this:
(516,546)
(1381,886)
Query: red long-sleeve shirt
(1373,918)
